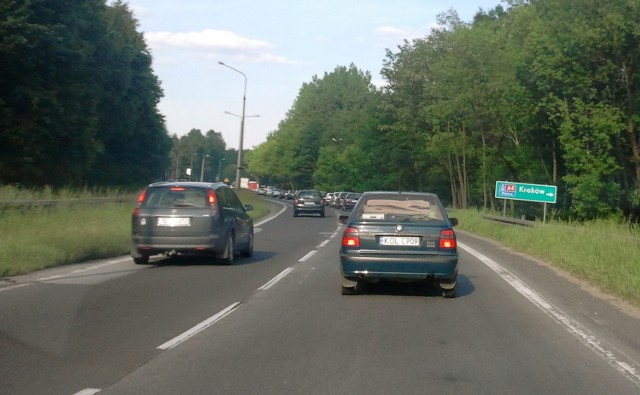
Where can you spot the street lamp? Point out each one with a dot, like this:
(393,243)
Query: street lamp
(202,169)
(240,152)
(191,166)
(244,102)
(240,116)
(220,168)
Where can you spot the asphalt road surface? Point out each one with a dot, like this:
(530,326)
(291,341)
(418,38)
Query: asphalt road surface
(276,323)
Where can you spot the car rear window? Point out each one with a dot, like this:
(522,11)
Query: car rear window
(175,197)
(404,208)
(309,195)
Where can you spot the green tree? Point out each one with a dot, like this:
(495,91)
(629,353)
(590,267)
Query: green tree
(78,98)
(329,111)
(48,89)
(128,114)
(193,149)
(580,64)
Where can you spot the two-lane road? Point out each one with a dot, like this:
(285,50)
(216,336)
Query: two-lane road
(276,323)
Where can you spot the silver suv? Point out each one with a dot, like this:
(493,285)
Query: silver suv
(190,218)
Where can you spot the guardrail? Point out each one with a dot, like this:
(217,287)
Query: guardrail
(50,203)
(511,221)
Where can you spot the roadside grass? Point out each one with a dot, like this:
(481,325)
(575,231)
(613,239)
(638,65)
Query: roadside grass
(260,208)
(36,238)
(606,254)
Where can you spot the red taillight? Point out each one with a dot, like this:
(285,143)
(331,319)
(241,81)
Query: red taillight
(143,194)
(177,188)
(212,199)
(351,237)
(447,239)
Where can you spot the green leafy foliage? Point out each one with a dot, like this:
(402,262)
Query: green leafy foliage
(316,145)
(77,96)
(542,92)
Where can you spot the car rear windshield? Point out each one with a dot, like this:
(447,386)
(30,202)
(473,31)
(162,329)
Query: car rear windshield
(308,195)
(175,197)
(400,208)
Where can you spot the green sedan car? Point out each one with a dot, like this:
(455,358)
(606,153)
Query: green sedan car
(399,236)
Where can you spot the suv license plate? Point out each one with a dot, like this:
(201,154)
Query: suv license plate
(399,241)
(163,221)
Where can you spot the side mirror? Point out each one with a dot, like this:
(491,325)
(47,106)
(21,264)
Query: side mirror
(454,221)
(343,219)
(248,207)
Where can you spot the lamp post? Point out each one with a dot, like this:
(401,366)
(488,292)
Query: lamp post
(244,102)
(202,169)
(191,166)
(220,168)
(240,151)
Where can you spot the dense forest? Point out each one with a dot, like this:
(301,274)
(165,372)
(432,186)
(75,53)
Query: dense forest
(535,91)
(538,91)
(78,97)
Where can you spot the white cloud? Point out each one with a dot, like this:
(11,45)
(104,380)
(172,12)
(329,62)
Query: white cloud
(400,33)
(207,38)
(214,42)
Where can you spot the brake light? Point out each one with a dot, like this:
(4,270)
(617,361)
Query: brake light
(177,188)
(143,194)
(351,237)
(212,199)
(448,239)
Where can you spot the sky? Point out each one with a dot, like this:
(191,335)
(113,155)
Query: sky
(278,45)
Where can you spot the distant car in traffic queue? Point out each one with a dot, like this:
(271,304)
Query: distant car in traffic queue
(337,203)
(350,201)
(308,201)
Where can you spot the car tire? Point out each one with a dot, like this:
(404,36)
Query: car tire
(229,251)
(354,290)
(141,260)
(449,289)
(248,250)
(348,290)
(138,258)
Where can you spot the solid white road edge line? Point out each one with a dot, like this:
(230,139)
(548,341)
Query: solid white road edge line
(10,287)
(628,369)
(198,328)
(75,272)
(284,208)
(86,269)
